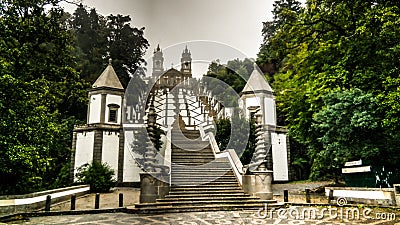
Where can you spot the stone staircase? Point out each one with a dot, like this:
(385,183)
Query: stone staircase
(199,182)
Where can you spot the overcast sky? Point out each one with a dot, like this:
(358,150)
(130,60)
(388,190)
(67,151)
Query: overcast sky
(235,23)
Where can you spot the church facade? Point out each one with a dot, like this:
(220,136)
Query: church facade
(112,123)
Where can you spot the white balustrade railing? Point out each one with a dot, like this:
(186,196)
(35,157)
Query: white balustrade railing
(233,158)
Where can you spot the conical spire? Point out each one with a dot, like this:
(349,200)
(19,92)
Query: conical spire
(186,50)
(257,82)
(108,78)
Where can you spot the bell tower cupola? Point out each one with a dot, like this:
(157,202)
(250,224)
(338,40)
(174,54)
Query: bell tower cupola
(186,63)
(158,62)
(105,99)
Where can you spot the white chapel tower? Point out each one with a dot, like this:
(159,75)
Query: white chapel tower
(257,97)
(101,138)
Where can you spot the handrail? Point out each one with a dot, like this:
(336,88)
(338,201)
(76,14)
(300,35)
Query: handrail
(233,158)
(168,151)
(236,164)
(213,143)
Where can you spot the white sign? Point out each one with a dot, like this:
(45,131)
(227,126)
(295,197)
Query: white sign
(279,157)
(361,169)
(353,163)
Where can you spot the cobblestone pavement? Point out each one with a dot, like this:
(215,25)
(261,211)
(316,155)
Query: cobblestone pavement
(199,218)
(131,196)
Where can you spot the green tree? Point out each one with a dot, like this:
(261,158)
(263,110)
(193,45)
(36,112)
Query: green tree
(273,50)
(235,73)
(99,176)
(99,38)
(40,94)
(126,46)
(348,128)
(90,32)
(337,47)
(227,140)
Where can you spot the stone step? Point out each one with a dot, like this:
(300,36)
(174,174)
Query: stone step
(206,192)
(177,135)
(194,150)
(192,158)
(186,131)
(176,166)
(200,168)
(218,172)
(216,164)
(208,185)
(195,163)
(185,153)
(203,182)
(204,171)
(206,195)
(185,141)
(203,176)
(191,163)
(177,131)
(200,208)
(199,183)
(187,146)
(206,198)
(219,202)
(200,176)
(192,155)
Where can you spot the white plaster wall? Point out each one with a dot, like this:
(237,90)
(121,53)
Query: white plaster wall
(94,109)
(279,157)
(84,149)
(110,149)
(269,111)
(131,172)
(251,101)
(114,99)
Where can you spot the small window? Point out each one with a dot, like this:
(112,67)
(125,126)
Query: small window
(113,116)
(113,113)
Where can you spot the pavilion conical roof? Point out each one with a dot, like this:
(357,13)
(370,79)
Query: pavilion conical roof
(108,79)
(256,82)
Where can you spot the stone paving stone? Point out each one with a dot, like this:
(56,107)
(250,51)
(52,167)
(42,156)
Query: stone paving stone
(194,218)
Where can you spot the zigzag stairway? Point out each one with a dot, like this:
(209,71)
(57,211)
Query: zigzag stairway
(199,182)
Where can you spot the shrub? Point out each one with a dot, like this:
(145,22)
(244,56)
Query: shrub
(98,175)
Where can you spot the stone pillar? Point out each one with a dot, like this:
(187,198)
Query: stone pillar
(259,181)
(150,157)
(263,187)
(249,184)
(152,182)
(152,188)
(148,190)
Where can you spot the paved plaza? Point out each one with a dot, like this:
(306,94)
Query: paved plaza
(194,218)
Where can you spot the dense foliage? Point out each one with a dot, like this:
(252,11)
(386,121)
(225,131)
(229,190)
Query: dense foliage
(99,38)
(337,80)
(40,91)
(99,176)
(42,94)
(234,135)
